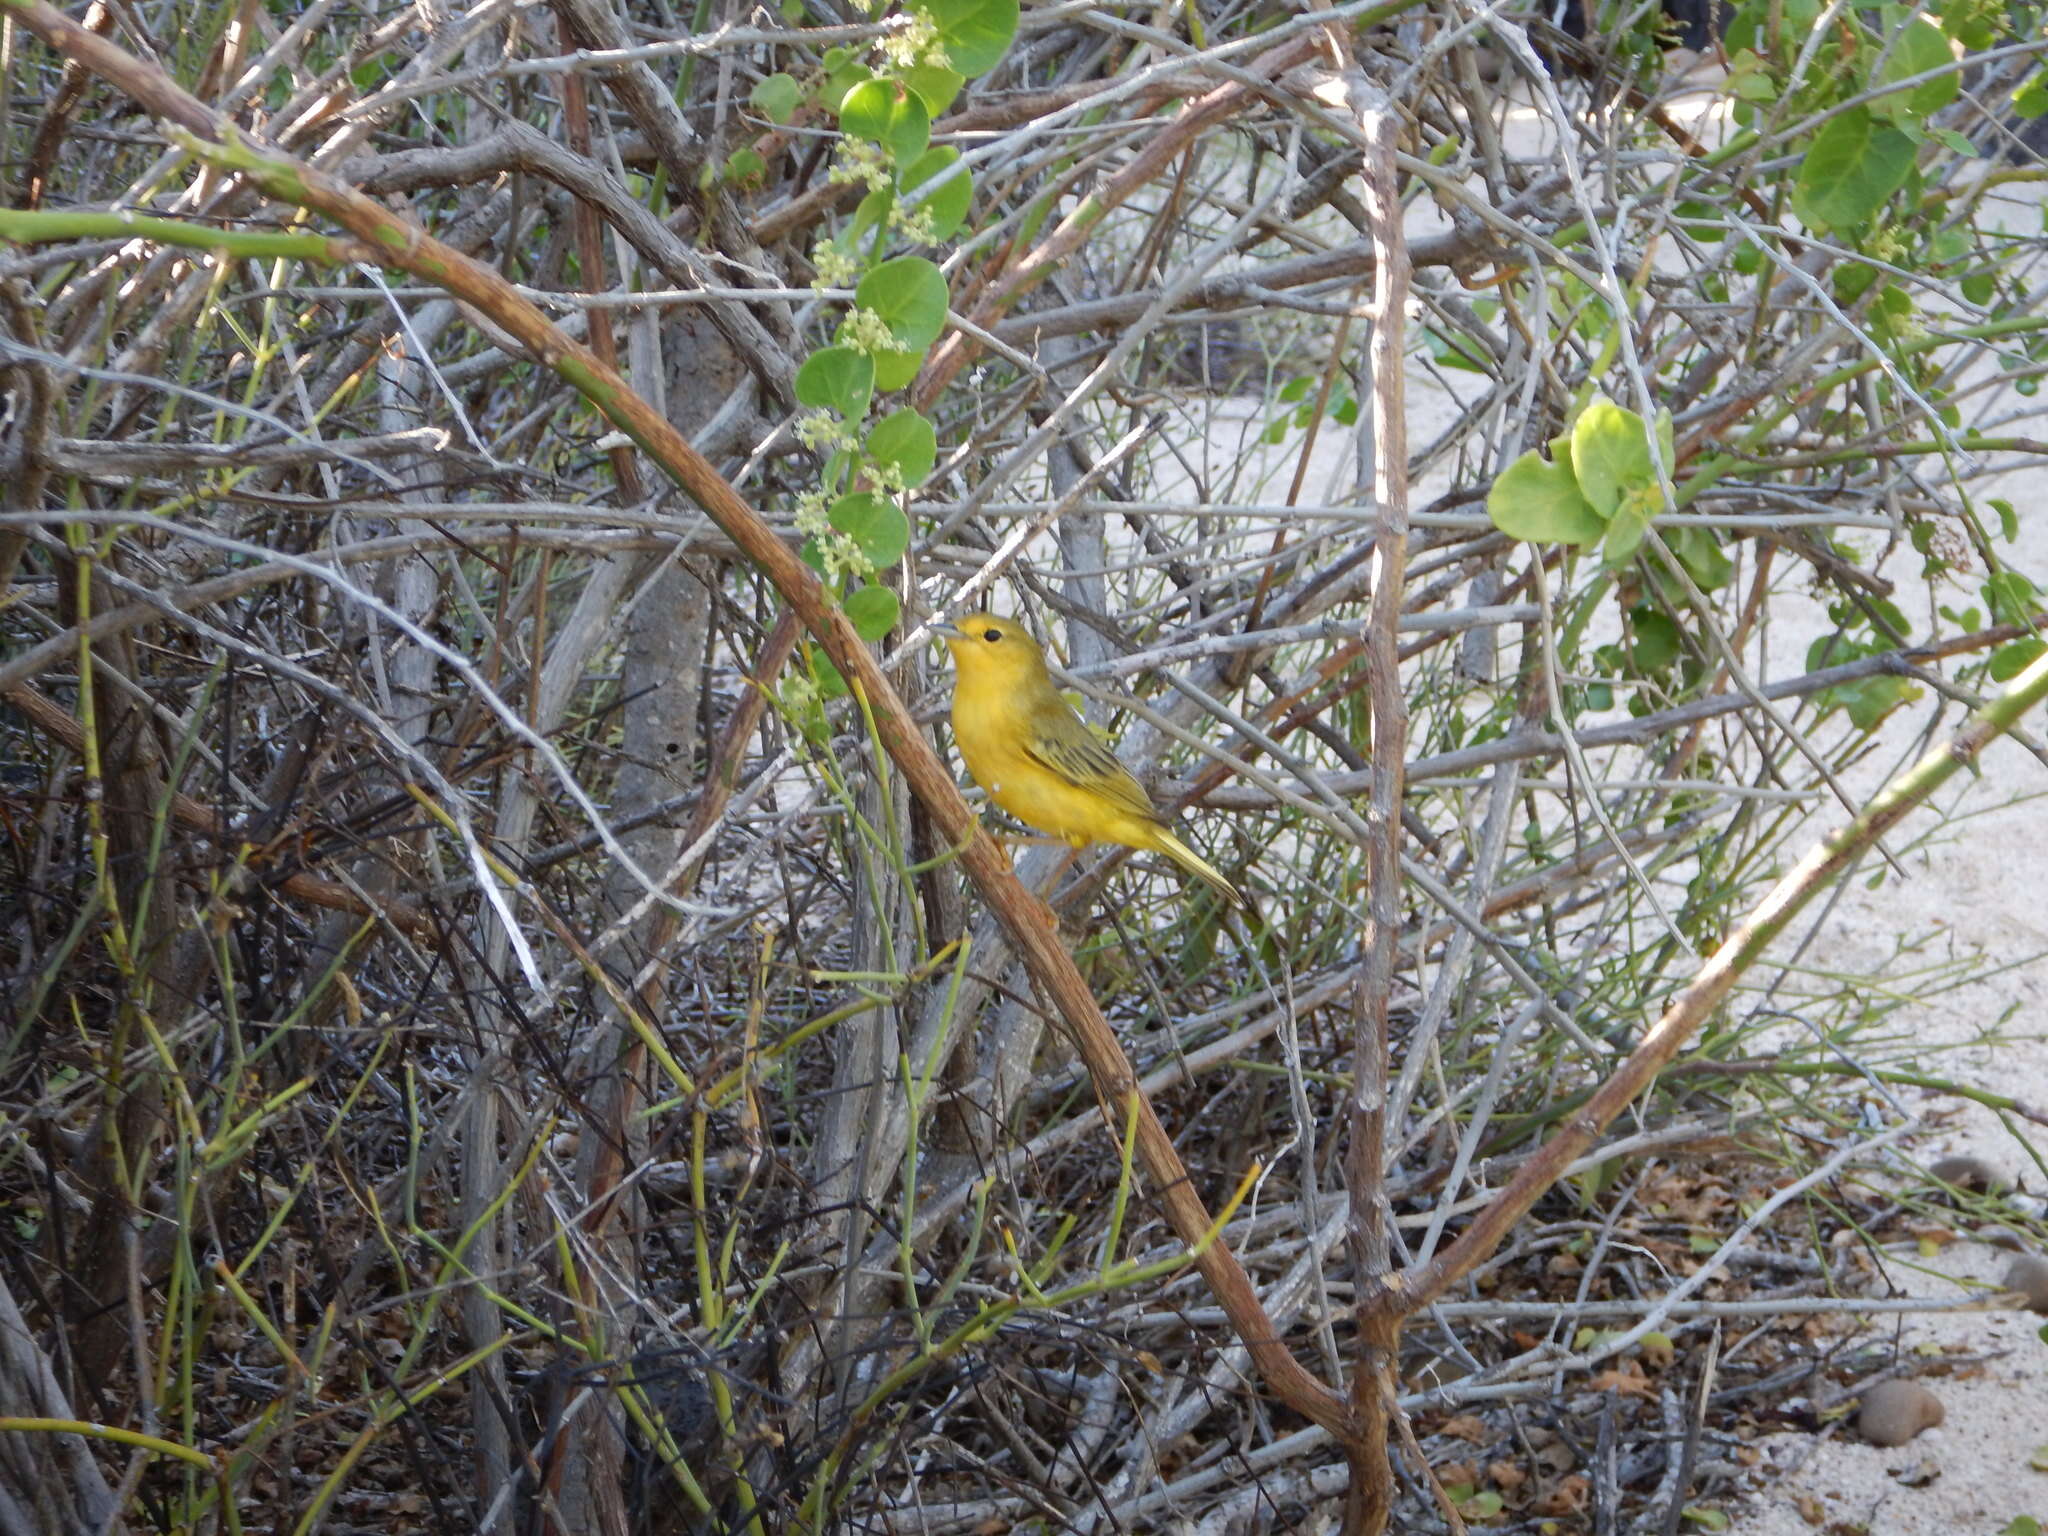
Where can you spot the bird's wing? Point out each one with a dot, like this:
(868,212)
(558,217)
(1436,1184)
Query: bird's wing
(1064,745)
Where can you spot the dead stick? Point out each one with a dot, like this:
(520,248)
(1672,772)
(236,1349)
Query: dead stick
(1371,1493)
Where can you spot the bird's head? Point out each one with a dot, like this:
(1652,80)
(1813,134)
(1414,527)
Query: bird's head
(985,646)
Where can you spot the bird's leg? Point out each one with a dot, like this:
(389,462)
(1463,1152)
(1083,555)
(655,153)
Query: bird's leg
(1059,872)
(1051,882)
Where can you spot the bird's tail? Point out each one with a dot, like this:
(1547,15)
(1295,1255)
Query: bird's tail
(1200,867)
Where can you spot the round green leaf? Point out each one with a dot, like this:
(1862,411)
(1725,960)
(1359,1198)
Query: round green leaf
(875,523)
(776,98)
(1700,553)
(938,86)
(1918,45)
(873,612)
(745,165)
(910,294)
(895,368)
(907,443)
(882,112)
(976,33)
(1610,455)
(838,379)
(841,76)
(2010,596)
(1852,166)
(947,203)
(1539,501)
(1625,530)
(1654,638)
(2009,661)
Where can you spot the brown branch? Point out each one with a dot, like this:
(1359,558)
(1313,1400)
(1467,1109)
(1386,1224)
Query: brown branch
(1371,1495)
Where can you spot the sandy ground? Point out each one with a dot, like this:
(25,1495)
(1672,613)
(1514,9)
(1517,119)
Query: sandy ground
(1976,885)
(1986,1466)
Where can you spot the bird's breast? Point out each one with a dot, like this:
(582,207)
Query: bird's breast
(989,727)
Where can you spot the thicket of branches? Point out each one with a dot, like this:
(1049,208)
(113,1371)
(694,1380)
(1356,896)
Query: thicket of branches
(497,1033)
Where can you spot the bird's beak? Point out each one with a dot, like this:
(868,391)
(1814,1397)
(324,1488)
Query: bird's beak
(950,631)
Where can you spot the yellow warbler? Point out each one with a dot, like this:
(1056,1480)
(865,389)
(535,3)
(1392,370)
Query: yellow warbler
(1038,760)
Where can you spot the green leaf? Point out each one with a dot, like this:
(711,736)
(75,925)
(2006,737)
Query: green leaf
(2023,1525)
(1625,530)
(2010,597)
(841,76)
(1699,551)
(907,443)
(875,523)
(2009,661)
(884,113)
(910,294)
(1706,1519)
(871,211)
(873,612)
(1979,288)
(838,379)
(895,368)
(1655,643)
(1539,501)
(948,203)
(938,86)
(1610,455)
(1852,166)
(2008,519)
(976,33)
(1754,85)
(830,684)
(2031,99)
(1975,30)
(1917,46)
(776,98)
(1870,700)
(745,165)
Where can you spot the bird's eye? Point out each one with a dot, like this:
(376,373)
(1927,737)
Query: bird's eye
(991,635)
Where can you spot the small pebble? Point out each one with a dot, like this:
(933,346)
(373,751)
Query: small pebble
(1894,1412)
(2029,1273)
(1970,1173)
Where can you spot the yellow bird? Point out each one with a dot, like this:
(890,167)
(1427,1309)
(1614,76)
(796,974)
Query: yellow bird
(1038,760)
